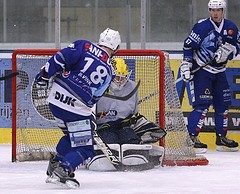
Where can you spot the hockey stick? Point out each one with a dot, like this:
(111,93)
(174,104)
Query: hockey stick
(11,75)
(124,98)
(107,151)
(148,97)
(197,69)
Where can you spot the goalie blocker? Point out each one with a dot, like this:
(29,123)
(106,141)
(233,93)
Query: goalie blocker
(134,156)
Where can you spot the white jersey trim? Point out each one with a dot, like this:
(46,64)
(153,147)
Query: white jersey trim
(74,105)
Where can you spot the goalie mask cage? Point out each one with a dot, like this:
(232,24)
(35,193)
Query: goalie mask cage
(35,134)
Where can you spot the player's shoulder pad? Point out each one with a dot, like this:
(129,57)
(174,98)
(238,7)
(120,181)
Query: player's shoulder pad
(79,43)
(202,20)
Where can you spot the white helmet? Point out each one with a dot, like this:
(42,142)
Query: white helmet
(216,4)
(110,38)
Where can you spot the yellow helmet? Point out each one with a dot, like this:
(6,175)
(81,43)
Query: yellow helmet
(122,73)
(120,67)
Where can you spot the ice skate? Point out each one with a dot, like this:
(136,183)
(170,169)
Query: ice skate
(52,165)
(62,177)
(199,147)
(223,144)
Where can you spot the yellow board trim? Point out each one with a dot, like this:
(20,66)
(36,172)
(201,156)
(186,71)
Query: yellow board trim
(6,135)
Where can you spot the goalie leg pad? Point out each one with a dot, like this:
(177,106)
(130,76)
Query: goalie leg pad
(136,157)
(156,154)
(134,154)
(100,162)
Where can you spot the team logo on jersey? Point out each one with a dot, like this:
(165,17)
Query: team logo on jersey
(207,95)
(230,32)
(195,37)
(86,46)
(111,113)
(65,74)
(207,91)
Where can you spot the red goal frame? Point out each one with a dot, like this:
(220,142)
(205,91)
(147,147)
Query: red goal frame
(158,53)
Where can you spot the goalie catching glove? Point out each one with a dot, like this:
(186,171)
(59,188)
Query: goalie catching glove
(185,70)
(225,52)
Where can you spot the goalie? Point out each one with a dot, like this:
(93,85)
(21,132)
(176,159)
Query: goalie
(130,135)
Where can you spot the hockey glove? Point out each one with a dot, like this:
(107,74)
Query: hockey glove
(225,52)
(42,78)
(185,70)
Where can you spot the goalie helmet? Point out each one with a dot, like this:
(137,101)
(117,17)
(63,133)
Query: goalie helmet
(217,4)
(122,73)
(110,38)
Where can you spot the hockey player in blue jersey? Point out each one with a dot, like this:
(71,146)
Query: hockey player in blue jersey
(211,43)
(79,75)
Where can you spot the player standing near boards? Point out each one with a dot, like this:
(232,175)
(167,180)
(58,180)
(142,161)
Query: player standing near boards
(212,41)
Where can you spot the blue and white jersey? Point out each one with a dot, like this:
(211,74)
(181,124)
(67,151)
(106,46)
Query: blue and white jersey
(204,40)
(82,73)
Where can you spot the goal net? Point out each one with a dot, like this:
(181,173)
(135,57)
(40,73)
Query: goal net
(35,133)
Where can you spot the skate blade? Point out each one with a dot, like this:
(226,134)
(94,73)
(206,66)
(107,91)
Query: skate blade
(68,184)
(200,150)
(226,149)
(47,179)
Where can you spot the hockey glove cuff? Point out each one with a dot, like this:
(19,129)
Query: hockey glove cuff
(225,52)
(42,78)
(185,70)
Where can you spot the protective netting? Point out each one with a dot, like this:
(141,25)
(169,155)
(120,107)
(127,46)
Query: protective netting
(37,135)
(178,145)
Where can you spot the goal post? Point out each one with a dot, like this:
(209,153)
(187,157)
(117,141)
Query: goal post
(35,135)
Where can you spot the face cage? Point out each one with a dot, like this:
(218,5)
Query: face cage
(118,85)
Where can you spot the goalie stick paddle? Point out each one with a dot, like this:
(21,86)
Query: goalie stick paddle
(124,98)
(11,75)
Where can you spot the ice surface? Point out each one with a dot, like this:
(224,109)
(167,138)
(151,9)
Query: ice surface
(222,175)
